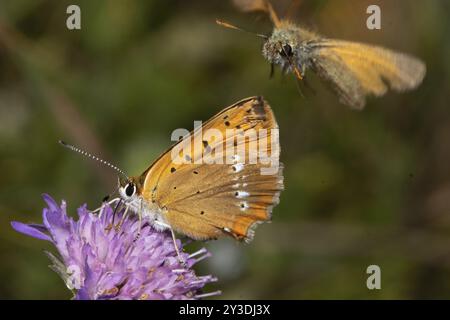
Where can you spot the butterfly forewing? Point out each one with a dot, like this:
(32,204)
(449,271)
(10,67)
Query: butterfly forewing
(340,79)
(356,70)
(207,200)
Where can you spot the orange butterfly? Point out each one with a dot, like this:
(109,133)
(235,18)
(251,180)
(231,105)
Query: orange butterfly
(352,70)
(208,200)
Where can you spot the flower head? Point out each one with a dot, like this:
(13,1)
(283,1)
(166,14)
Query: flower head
(99,261)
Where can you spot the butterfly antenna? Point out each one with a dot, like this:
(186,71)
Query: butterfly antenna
(87,154)
(231,26)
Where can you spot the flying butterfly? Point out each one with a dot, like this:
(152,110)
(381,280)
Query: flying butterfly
(208,200)
(352,70)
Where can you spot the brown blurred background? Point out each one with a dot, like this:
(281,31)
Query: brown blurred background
(362,188)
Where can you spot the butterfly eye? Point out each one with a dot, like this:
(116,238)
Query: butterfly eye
(286,51)
(130,189)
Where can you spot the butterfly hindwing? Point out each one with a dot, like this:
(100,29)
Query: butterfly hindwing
(337,75)
(205,201)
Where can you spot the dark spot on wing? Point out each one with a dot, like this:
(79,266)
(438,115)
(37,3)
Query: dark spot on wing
(195,172)
(227,123)
(172,170)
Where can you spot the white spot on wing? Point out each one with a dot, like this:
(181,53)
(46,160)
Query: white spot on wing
(242,194)
(238,167)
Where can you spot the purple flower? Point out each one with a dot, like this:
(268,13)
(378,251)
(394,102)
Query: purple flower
(99,261)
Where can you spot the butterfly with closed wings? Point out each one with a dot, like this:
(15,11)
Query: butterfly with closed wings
(205,201)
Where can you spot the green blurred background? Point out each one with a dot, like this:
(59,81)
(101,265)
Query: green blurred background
(362,188)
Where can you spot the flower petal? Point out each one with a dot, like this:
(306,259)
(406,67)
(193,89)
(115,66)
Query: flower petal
(59,225)
(30,230)
(52,205)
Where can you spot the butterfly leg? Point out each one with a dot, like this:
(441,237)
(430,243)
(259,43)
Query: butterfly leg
(110,226)
(119,225)
(174,239)
(138,234)
(105,203)
(303,70)
(180,258)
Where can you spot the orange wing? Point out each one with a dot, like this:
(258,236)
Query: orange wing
(205,201)
(355,70)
